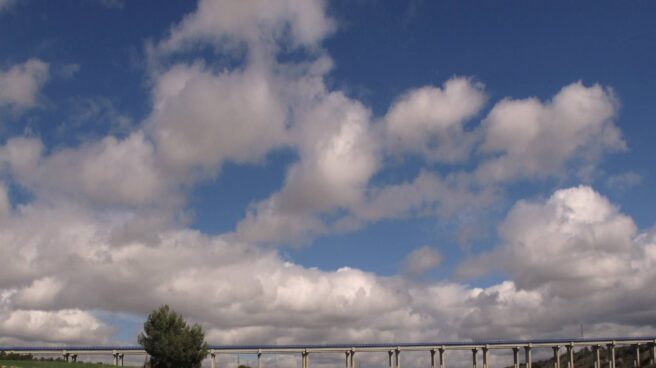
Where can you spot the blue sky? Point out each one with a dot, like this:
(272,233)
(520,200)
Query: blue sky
(484,152)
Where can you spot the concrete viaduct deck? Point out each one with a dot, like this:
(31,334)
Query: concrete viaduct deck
(437,350)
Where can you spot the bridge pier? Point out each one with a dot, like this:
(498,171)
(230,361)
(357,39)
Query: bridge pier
(597,353)
(259,359)
(212,359)
(390,354)
(397,354)
(121,356)
(347,359)
(611,355)
(115,355)
(432,359)
(556,352)
(527,350)
(516,357)
(474,356)
(485,355)
(353,358)
(442,357)
(637,355)
(570,355)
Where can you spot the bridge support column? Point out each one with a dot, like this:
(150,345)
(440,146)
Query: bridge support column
(637,355)
(485,352)
(390,354)
(115,355)
(653,353)
(442,357)
(516,357)
(474,357)
(121,356)
(597,353)
(212,359)
(353,359)
(611,355)
(74,358)
(397,354)
(432,352)
(570,355)
(65,355)
(348,353)
(556,351)
(527,350)
(259,359)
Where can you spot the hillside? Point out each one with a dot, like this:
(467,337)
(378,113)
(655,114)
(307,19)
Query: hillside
(585,358)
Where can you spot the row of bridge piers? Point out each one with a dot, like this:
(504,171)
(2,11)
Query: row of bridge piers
(438,356)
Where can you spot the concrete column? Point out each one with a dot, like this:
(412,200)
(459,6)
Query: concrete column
(390,354)
(65,355)
(485,351)
(597,351)
(556,351)
(474,357)
(611,355)
(259,359)
(353,359)
(570,355)
(212,359)
(653,353)
(637,355)
(442,357)
(115,355)
(432,358)
(307,360)
(527,351)
(516,357)
(347,359)
(121,357)
(74,358)
(397,354)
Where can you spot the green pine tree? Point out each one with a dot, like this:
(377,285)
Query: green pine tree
(171,342)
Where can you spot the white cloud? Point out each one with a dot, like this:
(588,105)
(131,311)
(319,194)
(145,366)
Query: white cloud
(298,22)
(430,121)
(5,204)
(108,171)
(20,84)
(338,155)
(529,138)
(202,119)
(581,273)
(421,260)
(65,326)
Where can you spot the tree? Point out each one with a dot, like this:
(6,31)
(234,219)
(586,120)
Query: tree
(171,342)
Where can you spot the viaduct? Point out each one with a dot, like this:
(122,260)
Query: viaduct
(438,351)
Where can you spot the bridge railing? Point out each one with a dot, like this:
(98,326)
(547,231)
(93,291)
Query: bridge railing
(438,351)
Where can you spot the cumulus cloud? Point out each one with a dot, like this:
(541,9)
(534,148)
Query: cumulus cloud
(429,121)
(529,138)
(591,256)
(421,260)
(21,84)
(298,22)
(201,119)
(109,171)
(331,133)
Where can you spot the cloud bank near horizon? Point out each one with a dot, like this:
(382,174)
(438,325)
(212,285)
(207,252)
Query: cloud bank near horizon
(105,228)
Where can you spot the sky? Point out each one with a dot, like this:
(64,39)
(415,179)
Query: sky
(327,171)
